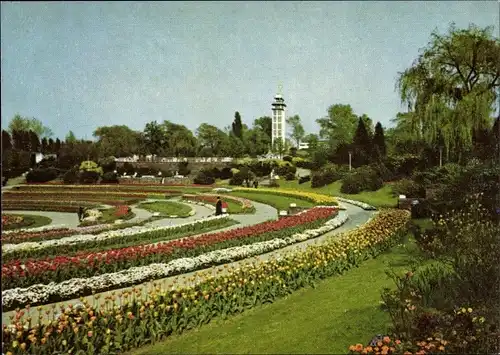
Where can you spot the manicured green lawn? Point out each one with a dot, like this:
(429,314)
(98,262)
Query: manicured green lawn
(340,311)
(168,208)
(380,198)
(278,202)
(30,221)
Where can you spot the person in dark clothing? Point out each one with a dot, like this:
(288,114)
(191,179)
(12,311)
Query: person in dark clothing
(248,183)
(80,213)
(218,207)
(255,183)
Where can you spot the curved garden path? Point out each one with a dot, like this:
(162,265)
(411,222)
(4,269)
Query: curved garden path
(59,219)
(357,216)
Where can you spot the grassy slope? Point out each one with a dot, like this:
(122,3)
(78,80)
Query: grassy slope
(340,311)
(379,198)
(278,202)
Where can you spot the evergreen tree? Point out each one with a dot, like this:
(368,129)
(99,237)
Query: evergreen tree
(26,141)
(44,146)
(57,146)
(34,141)
(17,140)
(379,142)
(361,144)
(6,141)
(237,125)
(51,146)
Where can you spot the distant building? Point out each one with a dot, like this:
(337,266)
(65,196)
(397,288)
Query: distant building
(303,145)
(279,119)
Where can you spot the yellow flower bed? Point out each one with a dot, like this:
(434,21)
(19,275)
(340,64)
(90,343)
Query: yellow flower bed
(318,199)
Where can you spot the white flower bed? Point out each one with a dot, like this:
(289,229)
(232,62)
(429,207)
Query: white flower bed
(40,293)
(363,205)
(38,229)
(221,189)
(83,238)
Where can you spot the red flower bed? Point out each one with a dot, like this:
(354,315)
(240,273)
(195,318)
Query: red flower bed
(122,210)
(110,260)
(8,220)
(28,236)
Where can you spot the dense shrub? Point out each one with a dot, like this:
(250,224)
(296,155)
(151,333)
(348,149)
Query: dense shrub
(89,177)
(203,178)
(225,173)
(182,168)
(274,183)
(288,158)
(42,175)
(362,179)
(127,168)
(303,163)
(46,163)
(284,168)
(108,164)
(71,176)
(409,188)
(304,179)
(237,179)
(328,174)
(109,178)
(290,176)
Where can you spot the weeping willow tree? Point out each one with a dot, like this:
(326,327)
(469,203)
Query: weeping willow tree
(451,88)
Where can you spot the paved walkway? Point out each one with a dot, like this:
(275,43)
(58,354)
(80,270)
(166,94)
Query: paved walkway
(357,216)
(59,219)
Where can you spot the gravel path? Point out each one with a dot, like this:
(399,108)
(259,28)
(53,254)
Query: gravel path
(357,216)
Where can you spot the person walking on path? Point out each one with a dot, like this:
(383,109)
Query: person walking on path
(218,207)
(80,213)
(255,183)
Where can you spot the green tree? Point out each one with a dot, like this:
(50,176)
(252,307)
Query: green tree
(451,86)
(70,138)
(361,144)
(212,140)
(179,140)
(57,146)
(237,126)
(256,142)
(379,142)
(368,124)
(265,123)
(313,141)
(154,138)
(51,146)
(117,141)
(339,126)
(297,130)
(44,145)
(34,141)
(19,123)
(6,141)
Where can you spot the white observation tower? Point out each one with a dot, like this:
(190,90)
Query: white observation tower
(279,118)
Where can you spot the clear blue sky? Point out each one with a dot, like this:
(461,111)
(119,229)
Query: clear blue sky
(82,65)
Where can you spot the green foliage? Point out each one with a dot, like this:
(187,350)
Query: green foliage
(71,176)
(297,130)
(409,188)
(339,125)
(451,86)
(203,178)
(182,168)
(109,178)
(379,147)
(285,167)
(89,176)
(361,179)
(118,141)
(362,145)
(237,125)
(328,174)
(89,165)
(42,175)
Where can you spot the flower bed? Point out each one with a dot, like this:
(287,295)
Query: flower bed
(71,244)
(86,264)
(56,206)
(141,320)
(308,196)
(39,294)
(363,205)
(71,194)
(10,221)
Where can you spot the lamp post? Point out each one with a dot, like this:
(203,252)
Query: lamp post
(440,156)
(350,159)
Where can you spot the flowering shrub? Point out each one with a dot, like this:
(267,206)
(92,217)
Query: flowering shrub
(363,205)
(309,196)
(84,264)
(122,211)
(139,321)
